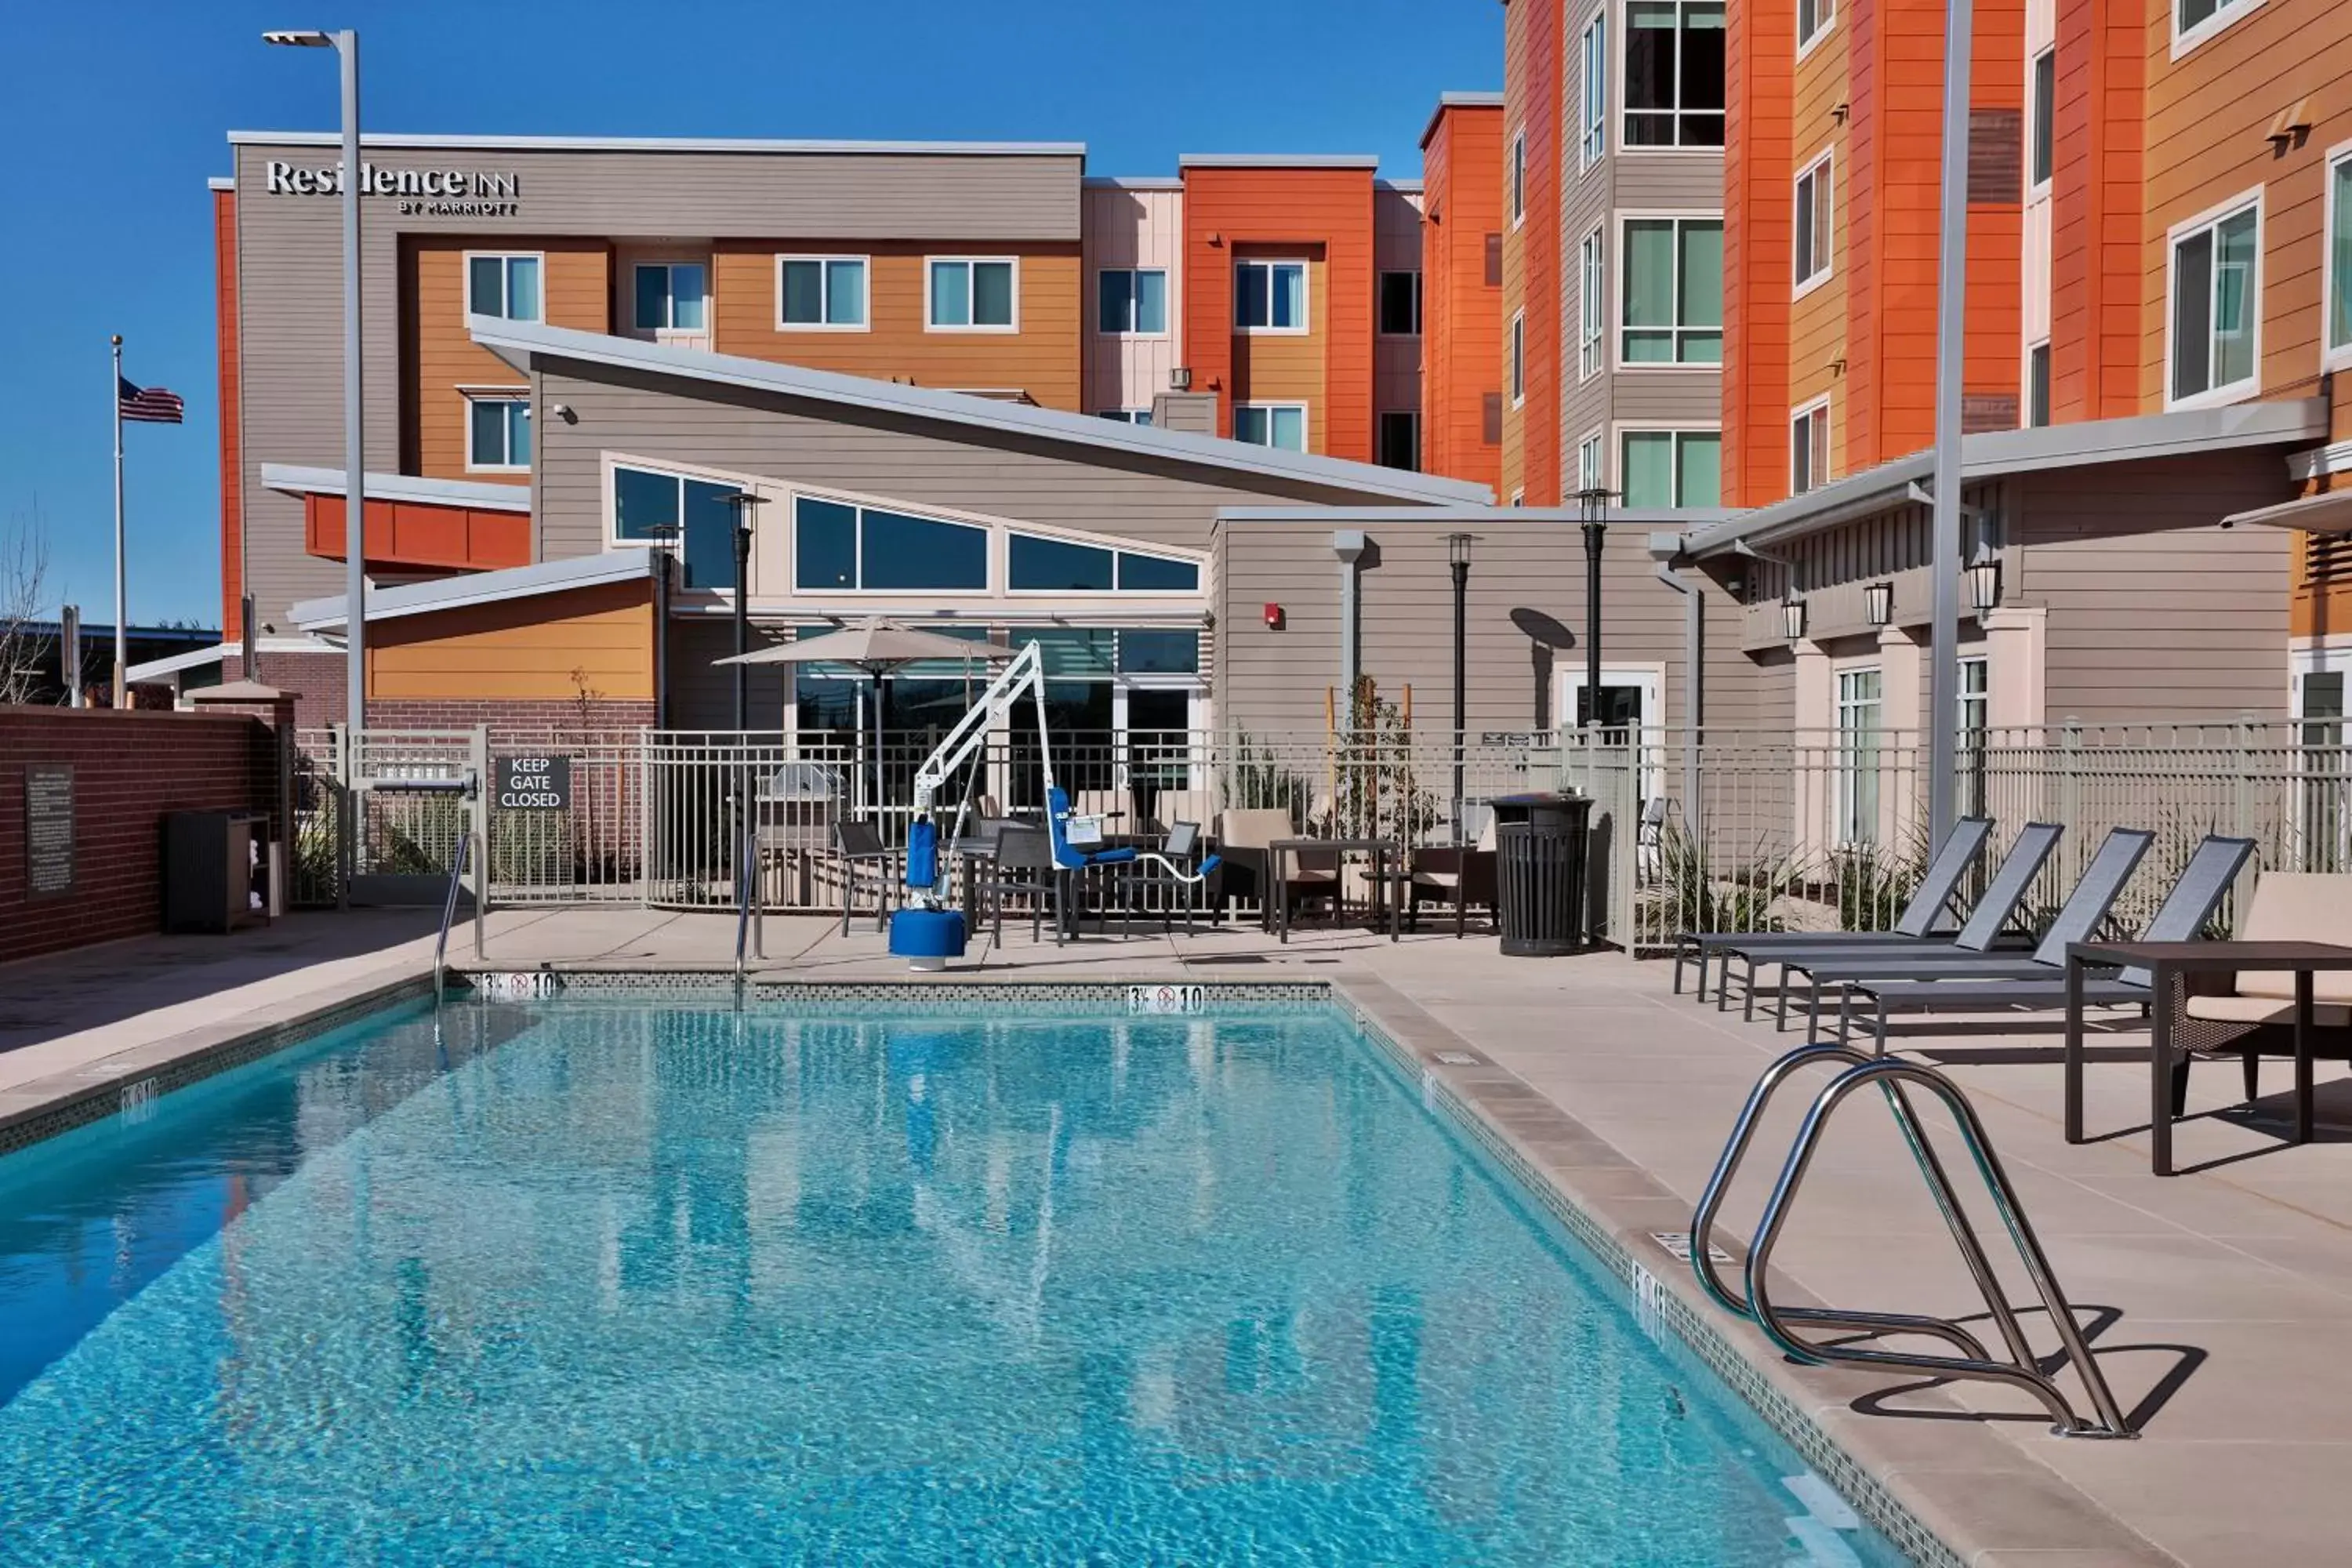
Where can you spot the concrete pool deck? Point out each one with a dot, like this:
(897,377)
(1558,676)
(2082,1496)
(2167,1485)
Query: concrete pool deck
(2217,1301)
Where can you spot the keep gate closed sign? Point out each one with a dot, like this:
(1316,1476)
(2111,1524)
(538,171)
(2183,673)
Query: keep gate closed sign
(534,783)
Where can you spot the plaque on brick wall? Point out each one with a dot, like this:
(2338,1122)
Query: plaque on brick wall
(534,784)
(49,829)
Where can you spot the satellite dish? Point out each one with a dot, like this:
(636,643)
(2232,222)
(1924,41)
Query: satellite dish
(1543,628)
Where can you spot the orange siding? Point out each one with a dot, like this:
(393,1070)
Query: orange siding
(1043,358)
(412,534)
(1817,321)
(1462,316)
(1292,210)
(232,446)
(440,358)
(1532,69)
(1759,79)
(551,646)
(2095,210)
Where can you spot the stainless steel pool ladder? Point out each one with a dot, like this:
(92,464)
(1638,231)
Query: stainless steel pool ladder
(750,917)
(468,843)
(2021,1370)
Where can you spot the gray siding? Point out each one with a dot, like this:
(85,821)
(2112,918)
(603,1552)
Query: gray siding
(702,694)
(290,271)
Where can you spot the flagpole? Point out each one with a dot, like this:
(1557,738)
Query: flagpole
(121,637)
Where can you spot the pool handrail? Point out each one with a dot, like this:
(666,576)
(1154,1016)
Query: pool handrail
(468,842)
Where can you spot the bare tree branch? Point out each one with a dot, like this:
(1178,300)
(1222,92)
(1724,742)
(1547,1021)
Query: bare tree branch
(25,646)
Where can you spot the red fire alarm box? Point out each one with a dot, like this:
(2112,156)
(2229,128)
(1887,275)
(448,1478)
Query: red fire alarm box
(1273,618)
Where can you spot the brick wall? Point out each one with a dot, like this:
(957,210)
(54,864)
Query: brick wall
(317,679)
(129,768)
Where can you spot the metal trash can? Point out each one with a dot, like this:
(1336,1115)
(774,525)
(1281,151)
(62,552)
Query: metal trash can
(1539,841)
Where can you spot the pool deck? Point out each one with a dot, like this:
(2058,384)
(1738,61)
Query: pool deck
(2218,1302)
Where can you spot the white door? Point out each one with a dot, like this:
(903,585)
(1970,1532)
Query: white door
(1632,711)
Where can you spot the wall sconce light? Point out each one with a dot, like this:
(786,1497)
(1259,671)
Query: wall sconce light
(1273,618)
(1984,584)
(563,411)
(1792,619)
(1878,604)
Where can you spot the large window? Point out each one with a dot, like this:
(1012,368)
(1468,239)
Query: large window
(1592,284)
(2041,150)
(505,286)
(1270,296)
(1808,448)
(1672,291)
(1670,467)
(2216,303)
(1132,301)
(497,434)
(973,294)
(1400,440)
(670,296)
(1674,73)
(1400,304)
(1282,425)
(1037,564)
(2339,255)
(1592,137)
(838,547)
(1813,18)
(1519,358)
(821,291)
(1514,181)
(2037,384)
(1860,707)
(689,516)
(1815,189)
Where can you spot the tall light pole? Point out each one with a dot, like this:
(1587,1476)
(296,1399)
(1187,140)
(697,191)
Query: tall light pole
(1592,508)
(1951,283)
(743,502)
(346,44)
(1457,557)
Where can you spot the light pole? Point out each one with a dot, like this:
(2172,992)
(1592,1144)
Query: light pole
(1592,508)
(742,503)
(1951,282)
(1457,557)
(351,183)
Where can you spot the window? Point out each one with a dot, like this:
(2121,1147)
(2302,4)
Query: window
(1490,419)
(689,516)
(838,546)
(1400,304)
(973,295)
(1672,291)
(1036,564)
(1670,467)
(2194,21)
(1813,19)
(1132,301)
(814,291)
(1519,499)
(1401,440)
(2040,111)
(1126,416)
(497,434)
(1975,697)
(1588,463)
(2216,304)
(1494,261)
(1514,181)
(1674,73)
(1270,296)
(1592,274)
(1282,425)
(2037,385)
(1808,448)
(1814,189)
(2338,256)
(1519,358)
(1592,139)
(1861,702)
(504,286)
(671,296)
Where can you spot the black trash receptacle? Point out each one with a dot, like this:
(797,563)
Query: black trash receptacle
(1539,872)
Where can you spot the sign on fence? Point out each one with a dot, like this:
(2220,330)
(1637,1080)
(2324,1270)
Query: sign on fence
(534,784)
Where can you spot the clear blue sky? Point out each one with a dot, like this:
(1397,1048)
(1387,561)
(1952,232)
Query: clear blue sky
(116,114)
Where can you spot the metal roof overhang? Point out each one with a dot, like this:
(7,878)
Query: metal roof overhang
(480,496)
(2327,512)
(483,588)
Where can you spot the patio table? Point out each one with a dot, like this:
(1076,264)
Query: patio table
(2166,962)
(1380,850)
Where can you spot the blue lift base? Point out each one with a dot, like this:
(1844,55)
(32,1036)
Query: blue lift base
(926,938)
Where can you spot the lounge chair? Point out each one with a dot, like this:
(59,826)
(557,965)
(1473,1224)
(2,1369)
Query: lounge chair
(2252,1015)
(2194,897)
(1986,931)
(1930,902)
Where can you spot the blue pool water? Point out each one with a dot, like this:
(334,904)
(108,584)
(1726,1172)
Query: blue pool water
(602,1283)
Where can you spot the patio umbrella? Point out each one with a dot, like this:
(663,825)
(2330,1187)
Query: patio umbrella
(876,646)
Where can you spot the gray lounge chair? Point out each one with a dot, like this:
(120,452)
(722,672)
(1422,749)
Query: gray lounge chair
(1985,932)
(2194,897)
(1930,904)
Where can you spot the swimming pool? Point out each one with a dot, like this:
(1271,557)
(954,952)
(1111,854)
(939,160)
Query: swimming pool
(613,1282)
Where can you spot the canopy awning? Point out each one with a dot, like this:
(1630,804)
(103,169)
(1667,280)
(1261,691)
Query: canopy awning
(2330,511)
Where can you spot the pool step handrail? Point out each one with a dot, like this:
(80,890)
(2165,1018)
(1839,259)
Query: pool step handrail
(1751,1299)
(748,911)
(468,843)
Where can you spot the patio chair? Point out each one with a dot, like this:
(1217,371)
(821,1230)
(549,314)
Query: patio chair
(1021,869)
(2251,1016)
(1454,874)
(2194,896)
(1988,929)
(1930,902)
(1241,839)
(864,857)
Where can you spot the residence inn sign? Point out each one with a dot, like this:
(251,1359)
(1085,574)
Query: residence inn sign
(421,193)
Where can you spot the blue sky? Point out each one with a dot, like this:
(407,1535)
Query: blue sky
(116,114)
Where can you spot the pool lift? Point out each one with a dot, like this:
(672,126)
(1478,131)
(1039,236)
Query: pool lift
(926,932)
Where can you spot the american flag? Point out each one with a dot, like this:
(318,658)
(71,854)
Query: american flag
(153,405)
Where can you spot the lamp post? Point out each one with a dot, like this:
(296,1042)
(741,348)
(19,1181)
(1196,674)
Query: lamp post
(742,503)
(1951,284)
(1457,557)
(1592,505)
(346,44)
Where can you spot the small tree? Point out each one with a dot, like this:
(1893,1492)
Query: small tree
(24,585)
